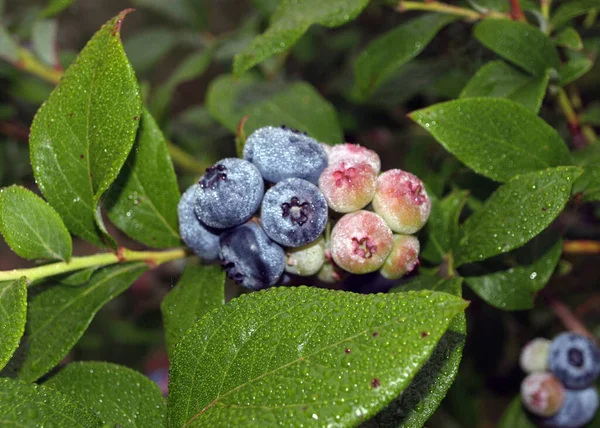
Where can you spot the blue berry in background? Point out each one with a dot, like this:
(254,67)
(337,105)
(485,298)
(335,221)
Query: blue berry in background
(281,153)
(574,359)
(578,409)
(250,257)
(202,241)
(229,193)
(294,212)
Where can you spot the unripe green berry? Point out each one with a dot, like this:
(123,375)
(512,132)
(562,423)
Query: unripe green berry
(534,355)
(306,260)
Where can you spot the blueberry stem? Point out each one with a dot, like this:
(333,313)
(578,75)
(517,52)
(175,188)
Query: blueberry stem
(569,320)
(435,6)
(123,255)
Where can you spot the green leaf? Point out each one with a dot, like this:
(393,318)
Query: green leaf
(116,394)
(143,200)
(347,352)
(515,213)
(442,226)
(31,227)
(30,405)
(9,49)
(289,22)
(497,79)
(82,135)
(589,183)
(58,315)
(200,290)
(386,54)
(572,9)
(13,311)
(515,289)
(429,387)
(515,416)
(569,38)
(147,47)
(54,7)
(591,115)
(574,69)
(77,278)
(43,39)
(190,68)
(297,105)
(520,43)
(495,137)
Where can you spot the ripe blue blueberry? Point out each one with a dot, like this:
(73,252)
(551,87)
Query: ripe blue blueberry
(202,241)
(294,212)
(574,359)
(250,257)
(578,409)
(281,153)
(229,194)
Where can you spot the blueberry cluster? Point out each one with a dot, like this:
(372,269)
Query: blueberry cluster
(266,214)
(559,390)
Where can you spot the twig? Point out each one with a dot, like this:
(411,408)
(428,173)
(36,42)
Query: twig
(545,7)
(153,258)
(435,6)
(516,12)
(581,247)
(564,314)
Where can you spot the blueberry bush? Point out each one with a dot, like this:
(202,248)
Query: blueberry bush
(299,213)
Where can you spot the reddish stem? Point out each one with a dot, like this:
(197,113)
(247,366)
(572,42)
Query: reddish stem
(516,12)
(569,320)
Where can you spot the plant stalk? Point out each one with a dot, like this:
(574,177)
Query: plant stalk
(435,6)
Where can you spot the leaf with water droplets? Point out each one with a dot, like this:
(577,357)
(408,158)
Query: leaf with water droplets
(574,69)
(200,290)
(515,289)
(442,226)
(572,9)
(58,315)
(29,405)
(520,43)
(497,138)
(428,388)
(497,79)
(289,22)
(515,416)
(13,312)
(386,54)
(82,135)
(31,227)
(304,354)
(589,183)
(142,202)
(297,105)
(515,213)
(115,394)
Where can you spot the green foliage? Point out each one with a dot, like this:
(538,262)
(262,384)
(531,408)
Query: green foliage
(297,105)
(515,416)
(515,213)
(200,290)
(569,38)
(23,404)
(31,227)
(82,135)
(115,394)
(495,137)
(249,370)
(515,288)
(13,310)
(289,22)
(572,9)
(57,316)
(520,43)
(496,79)
(386,54)
(589,183)
(574,69)
(142,203)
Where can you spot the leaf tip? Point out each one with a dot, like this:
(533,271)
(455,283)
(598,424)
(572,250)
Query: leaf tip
(119,20)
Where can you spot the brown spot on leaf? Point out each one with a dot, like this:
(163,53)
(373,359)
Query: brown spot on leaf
(375,334)
(375,383)
(135,118)
(348,350)
(424,334)
(71,114)
(543,208)
(81,156)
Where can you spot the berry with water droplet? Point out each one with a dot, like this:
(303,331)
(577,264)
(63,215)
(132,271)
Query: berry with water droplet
(281,153)
(347,186)
(403,258)
(229,193)
(353,154)
(294,212)
(401,199)
(542,393)
(199,238)
(360,242)
(250,257)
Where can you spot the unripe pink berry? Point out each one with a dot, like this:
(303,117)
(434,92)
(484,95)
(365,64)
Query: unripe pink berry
(403,258)
(402,201)
(360,242)
(534,355)
(353,153)
(542,393)
(347,186)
